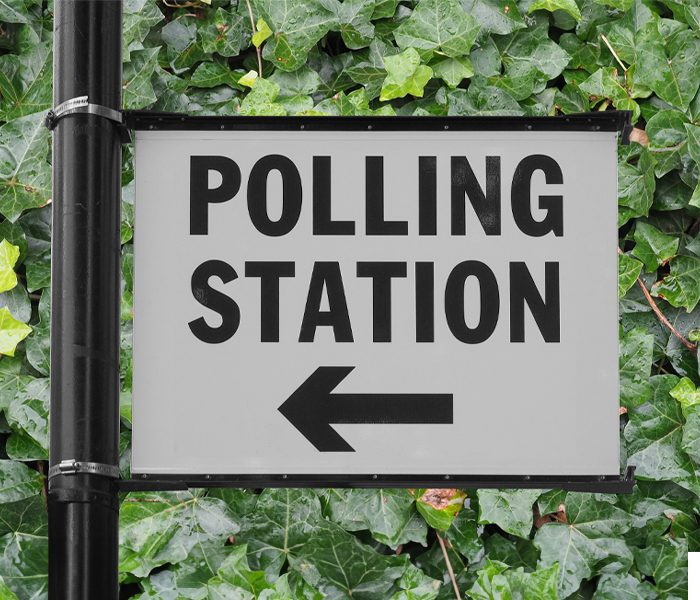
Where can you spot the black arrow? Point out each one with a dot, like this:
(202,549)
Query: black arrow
(312,408)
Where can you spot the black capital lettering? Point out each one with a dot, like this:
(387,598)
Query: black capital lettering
(326,275)
(375,223)
(521,201)
(291,195)
(546,312)
(487,206)
(201,195)
(381,274)
(270,274)
(489,302)
(216,301)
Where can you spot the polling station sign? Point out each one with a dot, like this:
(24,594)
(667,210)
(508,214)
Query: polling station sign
(378,297)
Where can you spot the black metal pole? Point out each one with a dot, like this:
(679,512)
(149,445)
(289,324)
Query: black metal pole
(83,502)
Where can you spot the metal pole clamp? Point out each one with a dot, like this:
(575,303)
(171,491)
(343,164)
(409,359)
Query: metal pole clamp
(74,467)
(81,104)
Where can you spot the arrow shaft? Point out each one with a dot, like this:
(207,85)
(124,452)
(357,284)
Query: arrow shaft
(390,408)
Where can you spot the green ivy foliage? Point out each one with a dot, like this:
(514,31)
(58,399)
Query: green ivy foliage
(384,57)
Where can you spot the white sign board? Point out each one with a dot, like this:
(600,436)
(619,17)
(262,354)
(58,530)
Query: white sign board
(388,302)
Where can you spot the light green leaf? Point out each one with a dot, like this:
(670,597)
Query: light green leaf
(260,100)
(453,70)
(686,393)
(438,25)
(12,332)
(405,75)
(262,32)
(9,254)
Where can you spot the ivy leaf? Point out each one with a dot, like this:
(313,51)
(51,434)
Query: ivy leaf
(686,393)
(405,75)
(25,82)
(160,528)
(453,70)
(223,32)
(262,32)
(615,586)
(464,535)
(438,25)
(284,519)
(587,541)
(495,16)
(24,548)
(14,11)
(568,6)
(138,89)
(668,65)
(213,74)
(9,253)
(339,566)
(667,562)
(654,248)
(636,185)
(636,357)
(390,515)
(530,49)
(12,332)
(261,99)
(495,581)
(654,437)
(354,22)
(439,507)
(183,45)
(25,175)
(628,269)
(297,26)
(17,482)
(28,414)
(139,16)
(681,288)
(511,510)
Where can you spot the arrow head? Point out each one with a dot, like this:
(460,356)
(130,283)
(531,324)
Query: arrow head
(308,409)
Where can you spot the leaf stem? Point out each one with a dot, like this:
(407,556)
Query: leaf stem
(450,570)
(252,26)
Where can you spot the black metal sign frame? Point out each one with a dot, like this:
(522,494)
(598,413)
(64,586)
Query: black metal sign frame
(618,121)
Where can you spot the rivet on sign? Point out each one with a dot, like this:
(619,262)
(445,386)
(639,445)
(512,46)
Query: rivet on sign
(374,477)
(526,478)
(447,476)
(207,477)
(150,126)
(447,126)
(222,126)
(284,476)
(144,476)
(529,126)
(369,127)
(301,127)
(597,127)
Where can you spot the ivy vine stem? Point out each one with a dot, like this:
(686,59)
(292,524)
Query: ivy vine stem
(257,48)
(450,570)
(661,316)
